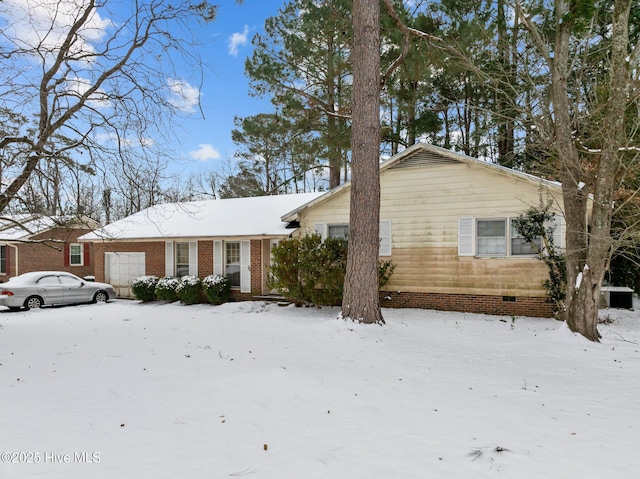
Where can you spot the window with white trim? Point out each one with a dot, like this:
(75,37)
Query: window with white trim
(491,237)
(342,231)
(182,259)
(75,254)
(3,258)
(522,247)
(232,263)
(338,231)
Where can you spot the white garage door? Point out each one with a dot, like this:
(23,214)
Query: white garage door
(120,269)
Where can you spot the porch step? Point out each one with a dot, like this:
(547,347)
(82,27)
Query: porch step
(274,298)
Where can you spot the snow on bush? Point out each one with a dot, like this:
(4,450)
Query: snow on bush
(189,289)
(216,288)
(166,288)
(144,288)
(89,278)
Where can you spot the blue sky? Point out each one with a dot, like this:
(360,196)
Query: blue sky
(224,44)
(207,142)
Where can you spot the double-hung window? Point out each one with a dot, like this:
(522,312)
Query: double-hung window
(232,263)
(522,247)
(3,259)
(75,254)
(182,259)
(494,237)
(491,237)
(338,231)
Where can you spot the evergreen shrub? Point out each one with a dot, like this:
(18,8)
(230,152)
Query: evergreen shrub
(189,289)
(308,270)
(216,289)
(144,288)
(166,288)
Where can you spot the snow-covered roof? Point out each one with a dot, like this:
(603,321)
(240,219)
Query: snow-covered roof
(21,227)
(253,216)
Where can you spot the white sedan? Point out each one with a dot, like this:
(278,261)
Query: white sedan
(33,290)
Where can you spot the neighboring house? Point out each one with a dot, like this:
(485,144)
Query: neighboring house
(231,237)
(445,221)
(37,243)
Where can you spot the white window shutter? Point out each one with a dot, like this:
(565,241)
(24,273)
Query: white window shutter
(217,257)
(245,266)
(193,258)
(385,238)
(320,229)
(168,259)
(466,236)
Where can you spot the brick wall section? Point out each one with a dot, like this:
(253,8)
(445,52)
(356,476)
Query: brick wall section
(49,255)
(154,255)
(205,258)
(484,304)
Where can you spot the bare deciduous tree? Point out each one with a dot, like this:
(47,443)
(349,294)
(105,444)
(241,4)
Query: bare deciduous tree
(97,90)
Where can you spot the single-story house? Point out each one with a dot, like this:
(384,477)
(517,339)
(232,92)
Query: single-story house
(231,237)
(446,222)
(36,243)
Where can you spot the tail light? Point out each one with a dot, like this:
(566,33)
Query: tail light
(6,292)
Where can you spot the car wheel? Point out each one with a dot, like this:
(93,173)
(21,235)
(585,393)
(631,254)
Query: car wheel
(100,296)
(33,302)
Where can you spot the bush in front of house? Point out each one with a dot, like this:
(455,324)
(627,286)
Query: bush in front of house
(166,288)
(216,288)
(189,289)
(309,270)
(144,288)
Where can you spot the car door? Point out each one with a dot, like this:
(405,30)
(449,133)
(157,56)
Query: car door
(50,289)
(74,290)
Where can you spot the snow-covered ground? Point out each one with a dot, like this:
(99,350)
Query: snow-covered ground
(130,390)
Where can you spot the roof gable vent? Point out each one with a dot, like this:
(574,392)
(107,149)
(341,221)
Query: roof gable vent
(420,159)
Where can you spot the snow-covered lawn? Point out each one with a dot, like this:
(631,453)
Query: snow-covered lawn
(130,390)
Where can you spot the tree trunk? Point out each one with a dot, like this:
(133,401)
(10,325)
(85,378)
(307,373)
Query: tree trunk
(361,301)
(588,249)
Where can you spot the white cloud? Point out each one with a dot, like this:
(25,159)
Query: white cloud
(34,22)
(237,40)
(183,96)
(204,153)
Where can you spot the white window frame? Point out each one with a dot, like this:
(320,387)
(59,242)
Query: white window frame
(514,235)
(344,227)
(182,244)
(171,258)
(504,237)
(386,241)
(3,260)
(81,254)
(220,262)
(468,238)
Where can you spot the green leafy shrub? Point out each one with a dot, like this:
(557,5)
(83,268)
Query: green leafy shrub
(189,289)
(166,289)
(308,270)
(216,289)
(144,288)
(537,222)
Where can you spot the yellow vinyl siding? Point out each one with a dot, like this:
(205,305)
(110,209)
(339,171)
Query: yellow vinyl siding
(424,204)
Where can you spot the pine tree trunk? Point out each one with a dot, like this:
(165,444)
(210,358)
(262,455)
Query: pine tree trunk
(361,301)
